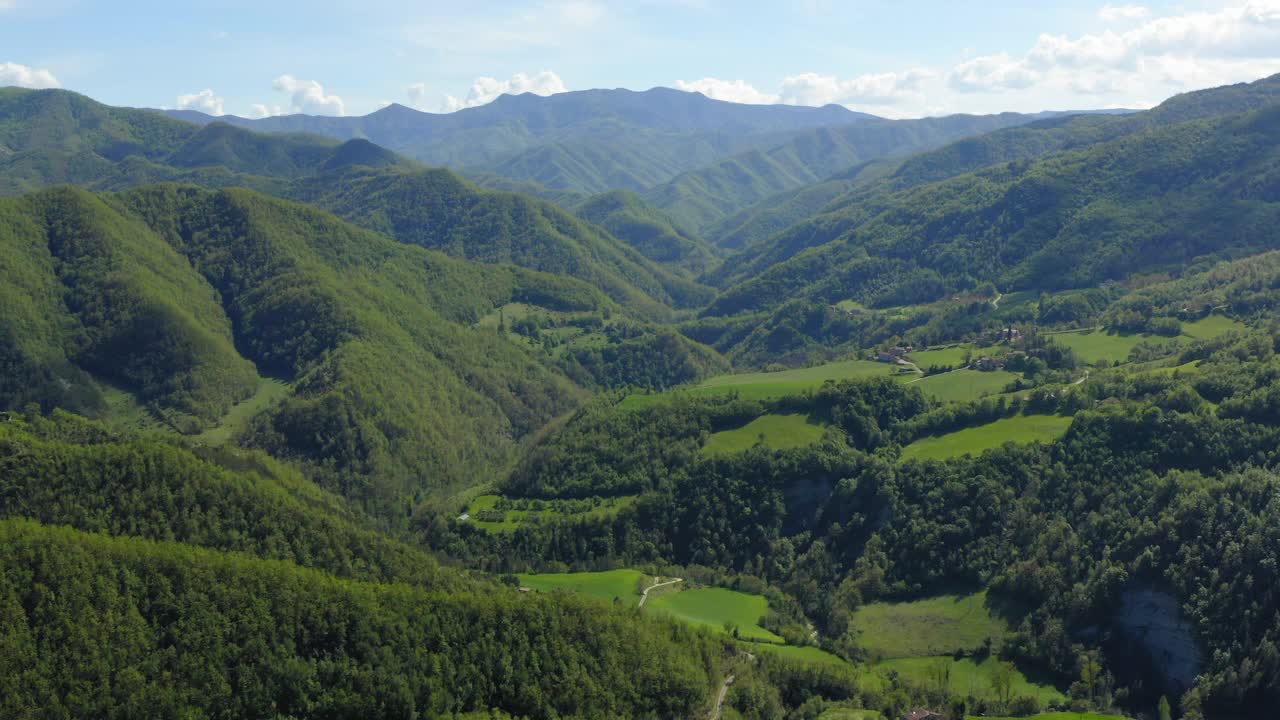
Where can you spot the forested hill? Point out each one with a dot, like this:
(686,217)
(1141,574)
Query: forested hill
(1154,201)
(593,140)
(59,137)
(700,198)
(869,183)
(184,296)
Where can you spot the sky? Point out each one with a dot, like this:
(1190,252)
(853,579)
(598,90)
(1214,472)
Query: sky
(896,58)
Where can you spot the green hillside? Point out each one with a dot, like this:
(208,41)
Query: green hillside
(1137,204)
(627,217)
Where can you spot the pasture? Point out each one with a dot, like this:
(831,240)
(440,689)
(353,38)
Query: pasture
(799,653)
(714,608)
(607,585)
(769,385)
(1211,326)
(964,385)
(1020,429)
(536,511)
(968,677)
(933,626)
(1094,346)
(779,432)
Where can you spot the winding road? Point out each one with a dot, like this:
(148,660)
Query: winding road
(724,690)
(645,595)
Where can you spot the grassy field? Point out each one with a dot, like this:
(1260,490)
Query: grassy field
(850,714)
(799,653)
(1093,346)
(968,677)
(790,382)
(269,392)
(779,432)
(606,585)
(1056,716)
(713,607)
(932,626)
(1212,326)
(514,518)
(1018,429)
(964,385)
(953,356)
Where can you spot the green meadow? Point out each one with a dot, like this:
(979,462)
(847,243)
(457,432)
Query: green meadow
(800,653)
(933,626)
(779,432)
(850,714)
(790,382)
(716,607)
(513,518)
(1094,346)
(953,356)
(964,385)
(1019,429)
(607,585)
(1056,716)
(968,677)
(268,393)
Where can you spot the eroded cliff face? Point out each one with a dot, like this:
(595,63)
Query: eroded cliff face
(1154,619)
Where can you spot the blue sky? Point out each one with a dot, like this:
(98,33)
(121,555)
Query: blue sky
(899,59)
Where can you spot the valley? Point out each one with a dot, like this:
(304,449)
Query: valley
(640,404)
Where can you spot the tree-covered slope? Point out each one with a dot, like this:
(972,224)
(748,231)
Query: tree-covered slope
(650,231)
(178,294)
(1152,201)
(440,210)
(870,183)
(699,198)
(123,628)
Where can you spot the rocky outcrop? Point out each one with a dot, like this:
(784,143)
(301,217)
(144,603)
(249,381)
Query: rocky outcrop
(1154,620)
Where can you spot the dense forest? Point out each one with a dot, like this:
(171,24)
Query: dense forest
(289,420)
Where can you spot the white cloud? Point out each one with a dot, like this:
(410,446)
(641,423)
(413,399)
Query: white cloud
(417,93)
(205,101)
(259,111)
(1122,13)
(28,77)
(309,97)
(871,89)
(8,5)
(991,73)
(1195,49)
(486,89)
(738,91)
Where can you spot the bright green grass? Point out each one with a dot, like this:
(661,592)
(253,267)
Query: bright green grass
(1093,346)
(849,714)
(932,626)
(513,519)
(605,585)
(964,385)
(713,607)
(942,357)
(124,410)
(779,432)
(1056,716)
(806,653)
(789,382)
(1019,429)
(969,677)
(1212,326)
(268,393)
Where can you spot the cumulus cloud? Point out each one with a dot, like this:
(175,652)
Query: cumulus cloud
(417,93)
(308,97)
(258,111)
(486,89)
(1231,44)
(872,89)
(1122,13)
(205,101)
(27,77)
(738,91)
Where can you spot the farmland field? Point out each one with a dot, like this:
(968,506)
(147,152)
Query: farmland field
(268,393)
(953,356)
(780,432)
(1057,716)
(1093,346)
(790,382)
(964,385)
(806,653)
(933,626)
(1212,326)
(975,440)
(513,517)
(713,607)
(968,677)
(603,585)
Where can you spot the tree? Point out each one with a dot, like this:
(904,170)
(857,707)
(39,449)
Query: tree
(1002,682)
(1091,673)
(1163,709)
